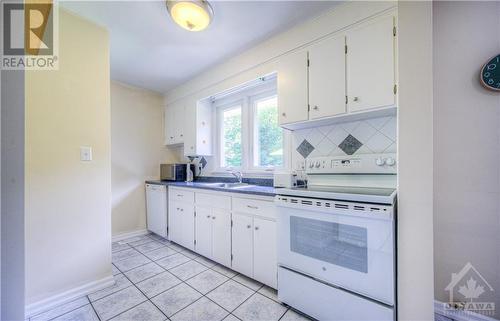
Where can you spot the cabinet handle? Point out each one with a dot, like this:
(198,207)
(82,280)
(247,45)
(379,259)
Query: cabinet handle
(180,195)
(182,210)
(253,207)
(283,114)
(171,137)
(213,217)
(192,147)
(249,226)
(355,99)
(208,216)
(256,228)
(315,107)
(182,135)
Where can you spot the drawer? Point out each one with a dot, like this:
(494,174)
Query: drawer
(180,195)
(256,207)
(213,200)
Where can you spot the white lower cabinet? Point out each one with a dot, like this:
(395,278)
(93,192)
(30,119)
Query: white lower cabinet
(203,230)
(254,248)
(213,234)
(221,237)
(242,238)
(234,231)
(264,254)
(181,222)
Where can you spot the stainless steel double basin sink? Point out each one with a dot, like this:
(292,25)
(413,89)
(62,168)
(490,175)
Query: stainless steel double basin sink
(227,185)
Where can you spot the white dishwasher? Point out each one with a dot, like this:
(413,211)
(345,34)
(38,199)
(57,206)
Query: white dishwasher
(156,209)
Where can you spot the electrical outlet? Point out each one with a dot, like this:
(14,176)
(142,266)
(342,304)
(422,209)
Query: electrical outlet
(85,153)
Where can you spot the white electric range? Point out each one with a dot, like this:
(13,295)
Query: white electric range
(336,239)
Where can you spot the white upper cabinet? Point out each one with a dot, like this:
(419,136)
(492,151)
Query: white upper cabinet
(327,78)
(292,88)
(198,129)
(174,124)
(371,65)
(349,72)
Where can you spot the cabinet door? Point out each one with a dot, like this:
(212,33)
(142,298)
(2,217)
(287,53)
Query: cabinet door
(179,123)
(190,129)
(292,88)
(370,65)
(265,267)
(169,125)
(203,231)
(187,213)
(221,236)
(175,228)
(242,237)
(327,78)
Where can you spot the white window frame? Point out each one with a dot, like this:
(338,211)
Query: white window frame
(248,100)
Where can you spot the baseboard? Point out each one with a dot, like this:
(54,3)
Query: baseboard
(458,315)
(127,235)
(68,296)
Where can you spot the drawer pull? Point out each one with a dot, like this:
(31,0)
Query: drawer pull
(208,216)
(249,226)
(180,195)
(253,207)
(256,228)
(213,217)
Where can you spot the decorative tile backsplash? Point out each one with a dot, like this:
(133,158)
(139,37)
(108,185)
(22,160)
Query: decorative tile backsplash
(371,136)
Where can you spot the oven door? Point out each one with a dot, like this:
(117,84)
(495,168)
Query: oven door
(338,244)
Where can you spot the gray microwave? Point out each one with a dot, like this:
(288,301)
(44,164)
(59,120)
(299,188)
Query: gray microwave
(174,172)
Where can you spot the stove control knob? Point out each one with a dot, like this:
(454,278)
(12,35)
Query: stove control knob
(317,164)
(390,161)
(380,161)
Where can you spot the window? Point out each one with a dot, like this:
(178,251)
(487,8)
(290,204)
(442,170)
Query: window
(268,136)
(249,137)
(231,137)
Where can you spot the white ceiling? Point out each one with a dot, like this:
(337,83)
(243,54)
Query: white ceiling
(149,50)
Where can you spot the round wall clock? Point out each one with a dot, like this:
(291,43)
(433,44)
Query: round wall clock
(490,74)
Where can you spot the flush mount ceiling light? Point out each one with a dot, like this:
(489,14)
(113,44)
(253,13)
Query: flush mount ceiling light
(193,15)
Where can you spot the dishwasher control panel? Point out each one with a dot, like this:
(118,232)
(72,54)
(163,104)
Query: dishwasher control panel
(354,164)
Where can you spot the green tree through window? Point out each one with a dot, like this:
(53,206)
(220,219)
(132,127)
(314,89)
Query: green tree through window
(231,135)
(269,143)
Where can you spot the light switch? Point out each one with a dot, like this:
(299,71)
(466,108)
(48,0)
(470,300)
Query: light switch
(85,153)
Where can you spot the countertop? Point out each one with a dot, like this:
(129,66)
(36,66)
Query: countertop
(253,190)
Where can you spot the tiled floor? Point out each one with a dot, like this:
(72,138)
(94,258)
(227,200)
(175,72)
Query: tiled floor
(157,280)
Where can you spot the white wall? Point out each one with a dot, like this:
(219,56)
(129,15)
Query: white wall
(68,202)
(137,149)
(466,145)
(415,170)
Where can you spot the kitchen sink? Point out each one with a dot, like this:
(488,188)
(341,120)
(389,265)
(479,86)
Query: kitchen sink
(227,185)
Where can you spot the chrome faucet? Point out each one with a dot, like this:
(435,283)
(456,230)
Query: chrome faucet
(237,174)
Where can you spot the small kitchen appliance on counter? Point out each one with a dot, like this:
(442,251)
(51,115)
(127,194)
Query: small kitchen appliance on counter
(175,172)
(337,239)
(285,179)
